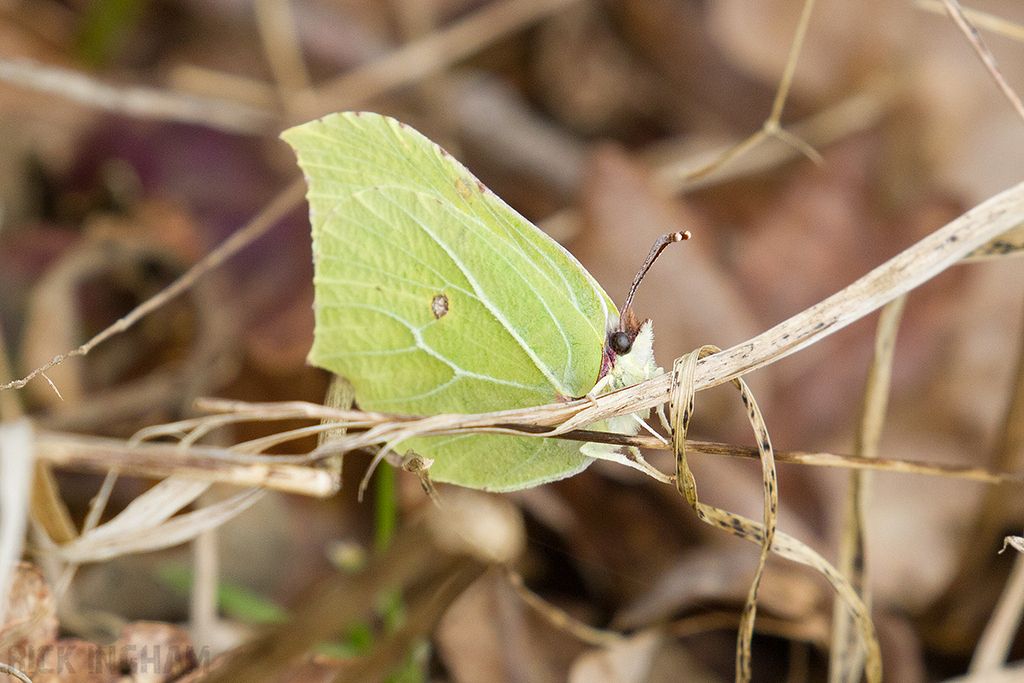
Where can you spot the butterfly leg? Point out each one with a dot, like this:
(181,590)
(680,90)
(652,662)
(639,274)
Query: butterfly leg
(664,418)
(599,388)
(649,428)
(420,466)
(646,467)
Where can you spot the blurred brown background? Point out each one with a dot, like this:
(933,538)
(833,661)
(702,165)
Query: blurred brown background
(137,135)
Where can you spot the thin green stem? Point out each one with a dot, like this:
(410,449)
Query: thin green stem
(385,508)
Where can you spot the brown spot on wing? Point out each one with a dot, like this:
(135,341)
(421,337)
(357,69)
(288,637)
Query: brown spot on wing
(463,189)
(439,306)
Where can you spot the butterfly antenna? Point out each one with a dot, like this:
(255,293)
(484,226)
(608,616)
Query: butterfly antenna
(656,250)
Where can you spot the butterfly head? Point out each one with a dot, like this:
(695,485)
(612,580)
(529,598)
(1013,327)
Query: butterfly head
(628,355)
(620,339)
(628,352)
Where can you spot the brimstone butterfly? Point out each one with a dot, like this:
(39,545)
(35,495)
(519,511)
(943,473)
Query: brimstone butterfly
(434,296)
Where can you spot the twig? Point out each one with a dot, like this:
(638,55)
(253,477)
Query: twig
(987,58)
(281,45)
(136,101)
(11,671)
(980,19)
(158,460)
(997,638)
(284,202)
(424,57)
(846,654)
(355,419)
(772,126)
(900,274)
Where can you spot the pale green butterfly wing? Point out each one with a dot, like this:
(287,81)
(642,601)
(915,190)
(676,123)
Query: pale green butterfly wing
(434,296)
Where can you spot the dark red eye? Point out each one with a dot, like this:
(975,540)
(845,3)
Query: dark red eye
(620,343)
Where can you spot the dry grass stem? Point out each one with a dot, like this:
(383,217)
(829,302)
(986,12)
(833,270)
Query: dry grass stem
(905,271)
(786,82)
(281,46)
(46,506)
(214,465)
(994,645)
(559,617)
(11,671)
(426,56)
(206,82)
(143,531)
(987,525)
(986,56)
(1009,243)
(846,654)
(854,114)
(680,411)
(772,127)
(993,649)
(417,553)
(278,207)
(149,523)
(984,20)
(203,600)
(357,420)
(915,467)
(17,462)
(137,101)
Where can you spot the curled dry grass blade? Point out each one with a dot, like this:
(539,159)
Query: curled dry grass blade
(680,411)
(148,526)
